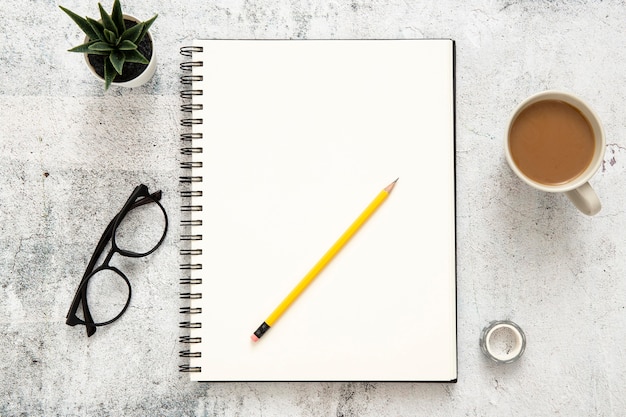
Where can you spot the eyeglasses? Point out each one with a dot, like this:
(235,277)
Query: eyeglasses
(136,231)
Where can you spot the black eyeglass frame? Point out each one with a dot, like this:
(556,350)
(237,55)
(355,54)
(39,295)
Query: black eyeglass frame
(138,197)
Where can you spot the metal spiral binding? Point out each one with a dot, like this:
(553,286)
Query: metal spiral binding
(189,281)
(190,310)
(188,368)
(189,50)
(190,295)
(189,339)
(190,237)
(196,193)
(190,79)
(194,267)
(189,148)
(190,65)
(191,208)
(191,122)
(190,136)
(188,108)
(189,94)
(191,222)
(189,325)
(190,179)
(189,354)
(191,164)
(187,252)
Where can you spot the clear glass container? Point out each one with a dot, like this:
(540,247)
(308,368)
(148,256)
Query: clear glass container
(503,341)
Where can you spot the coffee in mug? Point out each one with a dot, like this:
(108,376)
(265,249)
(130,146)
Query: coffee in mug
(555,143)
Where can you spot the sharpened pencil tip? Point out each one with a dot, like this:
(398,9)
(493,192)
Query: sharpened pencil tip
(390,186)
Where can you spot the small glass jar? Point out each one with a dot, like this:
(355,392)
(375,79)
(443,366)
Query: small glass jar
(503,341)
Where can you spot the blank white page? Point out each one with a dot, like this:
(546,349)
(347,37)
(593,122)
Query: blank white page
(298,137)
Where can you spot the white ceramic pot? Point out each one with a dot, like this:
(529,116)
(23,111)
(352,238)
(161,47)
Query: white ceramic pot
(142,78)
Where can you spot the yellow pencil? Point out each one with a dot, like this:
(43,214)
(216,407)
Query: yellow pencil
(328,256)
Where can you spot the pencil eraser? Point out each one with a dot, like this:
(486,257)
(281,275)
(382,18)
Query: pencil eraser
(254,338)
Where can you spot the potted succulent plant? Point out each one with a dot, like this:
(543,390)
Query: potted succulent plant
(118,48)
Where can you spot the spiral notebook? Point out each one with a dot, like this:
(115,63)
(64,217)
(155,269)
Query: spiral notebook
(286,142)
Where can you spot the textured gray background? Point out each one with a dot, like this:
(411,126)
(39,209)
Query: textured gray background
(71,154)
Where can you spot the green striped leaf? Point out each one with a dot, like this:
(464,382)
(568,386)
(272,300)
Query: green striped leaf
(117,59)
(118,17)
(107,21)
(127,46)
(136,57)
(101,47)
(81,22)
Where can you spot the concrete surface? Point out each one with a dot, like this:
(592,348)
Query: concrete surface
(71,154)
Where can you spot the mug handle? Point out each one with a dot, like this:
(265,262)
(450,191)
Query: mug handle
(585,199)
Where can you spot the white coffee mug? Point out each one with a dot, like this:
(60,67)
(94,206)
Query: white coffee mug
(577,189)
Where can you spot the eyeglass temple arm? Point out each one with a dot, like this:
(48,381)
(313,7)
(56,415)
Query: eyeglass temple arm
(155,196)
(87,318)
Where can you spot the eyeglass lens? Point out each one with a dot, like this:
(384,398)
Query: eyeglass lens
(141,230)
(107,294)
